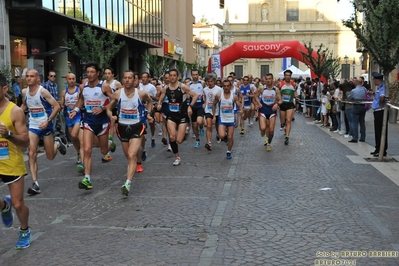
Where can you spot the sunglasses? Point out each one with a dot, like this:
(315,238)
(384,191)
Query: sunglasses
(53,76)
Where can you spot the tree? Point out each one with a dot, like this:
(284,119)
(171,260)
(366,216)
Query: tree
(89,45)
(76,13)
(153,64)
(378,34)
(181,65)
(321,61)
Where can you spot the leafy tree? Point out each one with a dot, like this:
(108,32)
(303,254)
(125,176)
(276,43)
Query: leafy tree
(78,14)
(181,65)
(378,34)
(155,65)
(89,45)
(321,61)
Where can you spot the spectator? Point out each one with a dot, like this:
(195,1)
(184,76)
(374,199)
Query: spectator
(358,112)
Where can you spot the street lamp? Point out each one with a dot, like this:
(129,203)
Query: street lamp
(353,66)
(361,58)
(347,71)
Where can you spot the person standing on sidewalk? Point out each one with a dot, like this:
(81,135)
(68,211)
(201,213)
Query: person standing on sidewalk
(43,108)
(378,106)
(13,136)
(52,87)
(358,112)
(128,101)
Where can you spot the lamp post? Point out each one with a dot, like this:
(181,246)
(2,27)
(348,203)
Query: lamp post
(346,58)
(361,58)
(353,66)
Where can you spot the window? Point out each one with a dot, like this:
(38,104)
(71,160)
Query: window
(239,70)
(264,69)
(292,11)
(346,71)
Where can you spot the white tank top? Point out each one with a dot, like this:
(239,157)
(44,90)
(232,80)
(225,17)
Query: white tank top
(71,99)
(210,97)
(94,97)
(226,108)
(198,89)
(39,109)
(268,96)
(129,108)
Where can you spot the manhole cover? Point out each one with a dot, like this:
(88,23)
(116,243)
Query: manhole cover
(384,159)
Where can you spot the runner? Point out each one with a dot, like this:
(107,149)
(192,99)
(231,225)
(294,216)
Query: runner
(69,98)
(210,91)
(130,129)
(197,117)
(177,117)
(13,136)
(42,108)
(94,97)
(115,85)
(226,102)
(269,97)
(247,93)
(286,103)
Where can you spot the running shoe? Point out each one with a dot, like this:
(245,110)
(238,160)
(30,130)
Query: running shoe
(85,184)
(107,158)
(218,139)
(164,141)
(169,148)
(112,147)
(242,131)
(177,161)
(23,240)
(208,147)
(287,140)
(6,214)
(197,144)
(125,189)
(202,132)
(61,145)
(144,156)
(226,139)
(139,168)
(228,155)
(80,168)
(35,189)
(79,160)
(266,141)
(282,127)
(160,133)
(153,143)
(262,133)
(268,147)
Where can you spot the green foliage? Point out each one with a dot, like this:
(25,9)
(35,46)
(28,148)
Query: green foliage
(91,46)
(181,65)
(321,61)
(155,65)
(378,31)
(77,14)
(7,72)
(196,65)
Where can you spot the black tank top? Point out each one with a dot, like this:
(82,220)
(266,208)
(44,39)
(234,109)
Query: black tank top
(177,98)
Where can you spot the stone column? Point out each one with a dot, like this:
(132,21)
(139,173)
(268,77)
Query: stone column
(123,56)
(60,59)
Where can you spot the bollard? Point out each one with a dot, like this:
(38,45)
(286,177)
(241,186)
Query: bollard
(393,115)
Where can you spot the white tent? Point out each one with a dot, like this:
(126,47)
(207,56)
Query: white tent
(296,73)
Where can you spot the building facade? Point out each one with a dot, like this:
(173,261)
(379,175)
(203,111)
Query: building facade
(307,21)
(33,32)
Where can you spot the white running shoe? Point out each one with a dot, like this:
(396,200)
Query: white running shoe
(176,162)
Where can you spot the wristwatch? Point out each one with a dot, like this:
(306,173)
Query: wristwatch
(10,134)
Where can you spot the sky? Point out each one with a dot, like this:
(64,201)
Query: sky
(210,8)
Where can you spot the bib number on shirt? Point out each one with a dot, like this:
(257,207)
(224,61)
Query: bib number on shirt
(286,97)
(199,99)
(227,110)
(37,112)
(174,107)
(129,114)
(90,105)
(4,152)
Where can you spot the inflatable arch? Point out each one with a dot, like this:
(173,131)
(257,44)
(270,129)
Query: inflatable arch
(256,50)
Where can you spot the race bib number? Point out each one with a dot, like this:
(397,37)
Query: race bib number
(4,152)
(209,106)
(268,100)
(70,107)
(129,114)
(286,97)
(91,104)
(174,107)
(246,98)
(166,100)
(227,110)
(37,112)
(199,99)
